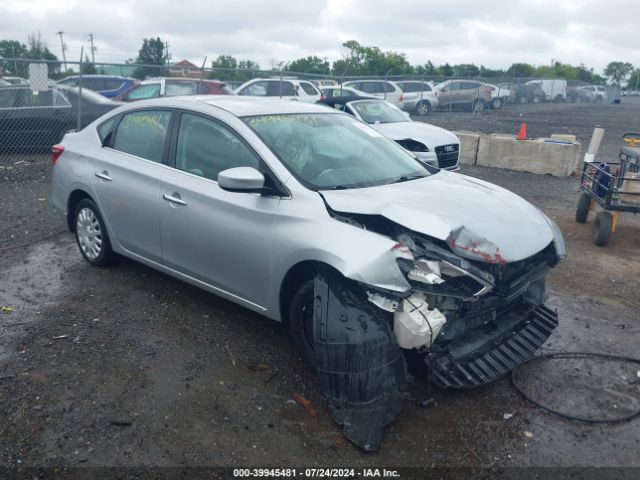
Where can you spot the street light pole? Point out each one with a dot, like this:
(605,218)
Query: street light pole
(93,49)
(64,47)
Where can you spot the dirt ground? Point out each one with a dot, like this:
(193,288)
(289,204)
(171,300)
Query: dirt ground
(125,366)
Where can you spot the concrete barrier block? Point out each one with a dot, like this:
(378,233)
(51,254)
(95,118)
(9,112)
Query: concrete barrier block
(535,156)
(468,146)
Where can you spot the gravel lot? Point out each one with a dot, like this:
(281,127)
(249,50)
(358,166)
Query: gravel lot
(125,366)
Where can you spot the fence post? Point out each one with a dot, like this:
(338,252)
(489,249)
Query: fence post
(204,62)
(80,91)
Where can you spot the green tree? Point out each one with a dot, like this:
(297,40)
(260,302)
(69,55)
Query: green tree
(617,72)
(466,70)
(633,82)
(12,50)
(152,52)
(445,70)
(362,60)
(88,68)
(521,70)
(311,64)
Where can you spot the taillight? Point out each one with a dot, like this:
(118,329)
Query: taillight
(56,151)
(321,97)
(402,97)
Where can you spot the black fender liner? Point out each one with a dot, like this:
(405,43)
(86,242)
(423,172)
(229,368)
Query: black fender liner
(361,368)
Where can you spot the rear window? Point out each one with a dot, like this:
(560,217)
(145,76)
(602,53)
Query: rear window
(112,84)
(173,89)
(144,91)
(308,88)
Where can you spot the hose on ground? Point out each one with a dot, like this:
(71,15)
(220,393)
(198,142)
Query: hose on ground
(517,386)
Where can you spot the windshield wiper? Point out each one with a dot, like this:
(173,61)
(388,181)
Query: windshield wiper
(406,178)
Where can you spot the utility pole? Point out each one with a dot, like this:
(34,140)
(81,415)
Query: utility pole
(166,52)
(64,48)
(93,49)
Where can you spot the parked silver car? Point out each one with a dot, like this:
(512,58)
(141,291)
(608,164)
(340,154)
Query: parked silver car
(419,97)
(309,216)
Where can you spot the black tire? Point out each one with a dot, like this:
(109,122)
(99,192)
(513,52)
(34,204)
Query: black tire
(584,205)
(423,108)
(602,228)
(301,322)
(522,100)
(536,99)
(85,210)
(477,106)
(496,103)
(558,99)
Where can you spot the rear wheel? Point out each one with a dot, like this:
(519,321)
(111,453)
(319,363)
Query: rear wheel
(602,228)
(423,108)
(536,99)
(91,234)
(496,103)
(582,211)
(522,100)
(301,322)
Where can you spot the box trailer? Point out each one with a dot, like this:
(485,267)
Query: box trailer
(555,89)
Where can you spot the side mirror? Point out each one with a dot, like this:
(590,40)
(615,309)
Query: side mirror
(241,179)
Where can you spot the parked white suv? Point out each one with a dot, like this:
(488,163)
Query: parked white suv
(287,88)
(596,93)
(418,97)
(384,89)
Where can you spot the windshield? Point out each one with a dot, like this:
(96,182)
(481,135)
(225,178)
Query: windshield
(373,111)
(334,151)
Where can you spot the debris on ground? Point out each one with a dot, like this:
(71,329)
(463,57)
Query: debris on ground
(6,308)
(507,416)
(121,422)
(259,367)
(306,404)
(528,434)
(60,337)
(427,402)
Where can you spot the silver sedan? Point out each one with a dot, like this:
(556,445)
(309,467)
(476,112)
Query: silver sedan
(310,216)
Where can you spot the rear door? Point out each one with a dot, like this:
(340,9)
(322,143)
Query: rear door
(218,237)
(126,177)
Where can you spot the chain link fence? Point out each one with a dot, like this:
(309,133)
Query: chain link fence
(40,101)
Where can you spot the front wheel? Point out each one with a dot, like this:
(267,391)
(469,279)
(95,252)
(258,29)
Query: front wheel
(536,99)
(496,103)
(423,108)
(602,226)
(582,211)
(91,234)
(301,322)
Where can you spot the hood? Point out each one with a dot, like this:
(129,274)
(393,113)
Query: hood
(477,219)
(430,135)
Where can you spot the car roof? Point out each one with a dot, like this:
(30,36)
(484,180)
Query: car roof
(346,99)
(117,77)
(236,105)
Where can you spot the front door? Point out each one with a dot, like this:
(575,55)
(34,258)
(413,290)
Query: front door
(218,237)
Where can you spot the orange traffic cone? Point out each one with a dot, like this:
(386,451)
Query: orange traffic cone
(522,134)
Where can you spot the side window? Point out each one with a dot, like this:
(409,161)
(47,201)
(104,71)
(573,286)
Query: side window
(8,97)
(387,87)
(424,87)
(105,129)
(206,148)
(308,88)
(93,84)
(143,134)
(30,99)
(257,89)
(274,89)
(369,87)
(144,91)
(112,84)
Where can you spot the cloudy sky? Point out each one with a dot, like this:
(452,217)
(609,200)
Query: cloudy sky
(492,33)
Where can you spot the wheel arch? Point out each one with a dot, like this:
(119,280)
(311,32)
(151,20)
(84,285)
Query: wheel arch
(72,202)
(295,276)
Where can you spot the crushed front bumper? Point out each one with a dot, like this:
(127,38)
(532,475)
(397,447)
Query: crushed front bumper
(492,353)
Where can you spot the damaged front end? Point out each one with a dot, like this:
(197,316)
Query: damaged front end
(495,313)
(471,313)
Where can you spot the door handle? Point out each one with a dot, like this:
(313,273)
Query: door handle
(104,175)
(174,198)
